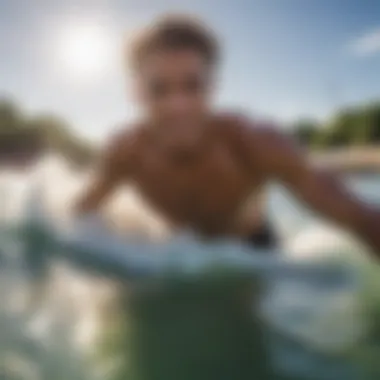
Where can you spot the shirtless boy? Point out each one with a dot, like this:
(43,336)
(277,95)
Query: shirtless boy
(203,170)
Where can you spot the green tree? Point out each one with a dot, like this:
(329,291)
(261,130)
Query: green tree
(20,133)
(306,131)
(352,126)
(11,118)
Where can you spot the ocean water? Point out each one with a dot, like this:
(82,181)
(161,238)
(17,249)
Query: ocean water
(59,324)
(292,217)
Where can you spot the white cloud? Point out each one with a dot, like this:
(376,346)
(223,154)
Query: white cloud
(366,45)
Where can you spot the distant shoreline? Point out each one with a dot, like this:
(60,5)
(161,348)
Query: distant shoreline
(345,160)
(349,159)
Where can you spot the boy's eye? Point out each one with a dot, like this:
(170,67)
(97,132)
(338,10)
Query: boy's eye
(158,89)
(193,84)
(189,85)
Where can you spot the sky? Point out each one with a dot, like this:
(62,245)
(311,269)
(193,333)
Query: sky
(285,59)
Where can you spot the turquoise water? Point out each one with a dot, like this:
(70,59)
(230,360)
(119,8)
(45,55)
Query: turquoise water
(291,217)
(301,311)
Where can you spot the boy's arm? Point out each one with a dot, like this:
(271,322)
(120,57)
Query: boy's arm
(109,173)
(279,158)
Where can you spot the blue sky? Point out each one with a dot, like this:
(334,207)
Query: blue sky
(283,58)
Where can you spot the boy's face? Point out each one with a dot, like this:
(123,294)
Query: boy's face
(174,87)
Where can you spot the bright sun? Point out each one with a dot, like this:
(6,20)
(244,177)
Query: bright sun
(85,50)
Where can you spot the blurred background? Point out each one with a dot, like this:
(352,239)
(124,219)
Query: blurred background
(312,66)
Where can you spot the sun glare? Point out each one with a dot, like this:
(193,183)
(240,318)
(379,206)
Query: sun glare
(85,50)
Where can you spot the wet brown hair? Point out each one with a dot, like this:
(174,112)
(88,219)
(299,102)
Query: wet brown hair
(174,32)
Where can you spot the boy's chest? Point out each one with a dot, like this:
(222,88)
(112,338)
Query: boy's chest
(203,189)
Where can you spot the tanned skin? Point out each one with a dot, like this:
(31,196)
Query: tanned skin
(200,169)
